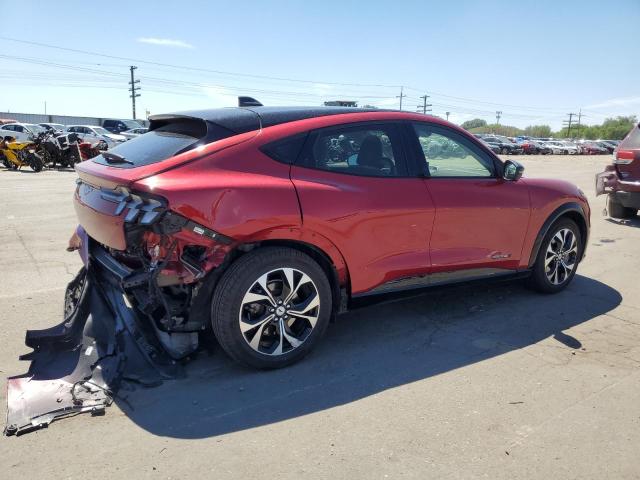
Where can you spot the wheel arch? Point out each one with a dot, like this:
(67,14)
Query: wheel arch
(337,279)
(571,210)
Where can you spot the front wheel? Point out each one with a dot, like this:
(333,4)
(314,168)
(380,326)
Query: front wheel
(557,259)
(271,307)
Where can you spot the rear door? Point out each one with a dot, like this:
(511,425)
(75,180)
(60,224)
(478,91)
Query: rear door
(354,188)
(481,219)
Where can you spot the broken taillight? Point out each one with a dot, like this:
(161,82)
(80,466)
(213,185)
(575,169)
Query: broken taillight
(141,208)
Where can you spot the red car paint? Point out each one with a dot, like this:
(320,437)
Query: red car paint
(621,179)
(374,230)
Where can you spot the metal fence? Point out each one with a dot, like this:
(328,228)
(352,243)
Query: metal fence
(63,119)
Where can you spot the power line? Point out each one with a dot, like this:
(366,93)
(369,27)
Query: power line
(285,79)
(184,67)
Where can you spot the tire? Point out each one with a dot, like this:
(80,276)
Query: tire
(36,163)
(503,151)
(550,273)
(240,303)
(617,210)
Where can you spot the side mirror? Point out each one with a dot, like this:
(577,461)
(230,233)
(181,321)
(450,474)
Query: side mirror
(512,170)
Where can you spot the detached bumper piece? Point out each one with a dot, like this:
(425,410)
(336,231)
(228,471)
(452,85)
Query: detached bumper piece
(79,365)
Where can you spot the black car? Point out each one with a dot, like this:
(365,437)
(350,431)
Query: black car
(541,148)
(504,145)
(495,147)
(117,126)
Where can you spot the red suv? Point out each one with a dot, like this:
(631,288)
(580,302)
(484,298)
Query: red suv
(621,179)
(267,222)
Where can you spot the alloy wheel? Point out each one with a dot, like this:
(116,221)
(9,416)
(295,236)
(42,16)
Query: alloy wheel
(561,256)
(279,311)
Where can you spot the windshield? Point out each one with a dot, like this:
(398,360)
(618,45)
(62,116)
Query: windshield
(36,128)
(131,124)
(101,130)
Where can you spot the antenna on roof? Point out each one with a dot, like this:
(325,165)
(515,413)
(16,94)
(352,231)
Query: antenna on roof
(248,102)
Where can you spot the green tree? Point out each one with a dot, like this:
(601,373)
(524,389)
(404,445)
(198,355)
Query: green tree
(611,129)
(475,123)
(617,128)
(505,130)
(538,131)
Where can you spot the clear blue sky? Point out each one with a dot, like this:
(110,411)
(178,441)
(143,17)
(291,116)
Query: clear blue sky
(534,61)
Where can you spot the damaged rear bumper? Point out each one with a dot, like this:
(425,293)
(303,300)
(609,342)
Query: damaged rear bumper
(626,193)
(79,365)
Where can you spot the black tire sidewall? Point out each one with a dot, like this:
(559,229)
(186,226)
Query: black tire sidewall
(539,278)
(617,210)
(233,285)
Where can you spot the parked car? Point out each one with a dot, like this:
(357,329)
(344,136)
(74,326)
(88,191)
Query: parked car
(506,146)
(541,148)
(266,222)
(606,145)
(621,180)
(93,134)
(22,132)
(134,132)
(558,147)
(570,147)
(592,148)
(494,147)
(53,127)
(529,147)
(118,126)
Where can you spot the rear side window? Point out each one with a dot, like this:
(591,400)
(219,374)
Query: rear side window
(287,150)
(156,145)
(632,140)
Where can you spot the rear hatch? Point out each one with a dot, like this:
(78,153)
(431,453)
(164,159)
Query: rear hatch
(627,156)
(104,200)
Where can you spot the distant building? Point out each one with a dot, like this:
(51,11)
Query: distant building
(341,103)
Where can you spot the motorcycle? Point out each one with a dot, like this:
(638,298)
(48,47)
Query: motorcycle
(59,149)
(16,155)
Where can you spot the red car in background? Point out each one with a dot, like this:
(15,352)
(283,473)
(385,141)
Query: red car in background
(591,148)
(621,180)
(264,223)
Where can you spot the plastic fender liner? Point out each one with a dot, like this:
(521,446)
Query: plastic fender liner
(555,215)
(79,365)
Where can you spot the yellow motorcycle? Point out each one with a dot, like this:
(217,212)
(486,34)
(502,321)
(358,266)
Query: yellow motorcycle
(16,155)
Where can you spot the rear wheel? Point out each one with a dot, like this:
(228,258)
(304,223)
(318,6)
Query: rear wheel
(617,210)
(271,307)
(558,256)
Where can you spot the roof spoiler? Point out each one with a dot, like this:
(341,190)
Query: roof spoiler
(248,102)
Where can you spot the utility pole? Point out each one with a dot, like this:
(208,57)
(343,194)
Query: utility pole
(579,120)
(133,90)
(45,107)
(447,114)
(498,115)
(568,123)
(401,96)
(425,104)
